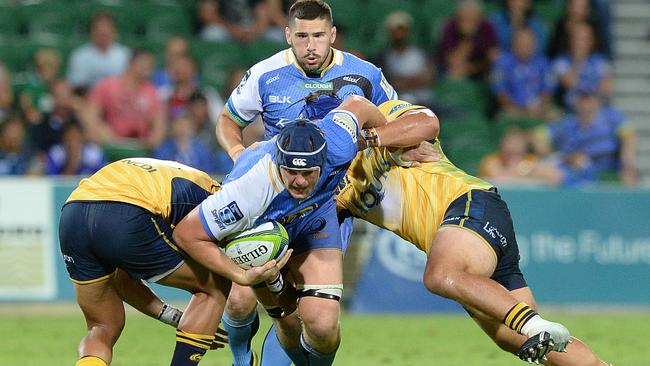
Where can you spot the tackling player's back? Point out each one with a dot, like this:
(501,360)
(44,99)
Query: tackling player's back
(165,188)
(408,201)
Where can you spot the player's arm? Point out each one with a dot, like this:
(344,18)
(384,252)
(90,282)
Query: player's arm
(229,134)
(410,128)
(414,129)
(192,238)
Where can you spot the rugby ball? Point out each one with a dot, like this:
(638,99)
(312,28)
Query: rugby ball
(256,246)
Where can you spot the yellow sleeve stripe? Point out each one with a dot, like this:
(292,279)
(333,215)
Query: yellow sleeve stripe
(272,177)
(164,236)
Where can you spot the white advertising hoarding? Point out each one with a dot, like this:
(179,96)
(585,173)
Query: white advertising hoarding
(27,252)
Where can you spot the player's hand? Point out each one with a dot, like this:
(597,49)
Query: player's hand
(220,339)
(414,156)
(268,271)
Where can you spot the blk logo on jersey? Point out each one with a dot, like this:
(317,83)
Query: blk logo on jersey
(227,215)
(280,99)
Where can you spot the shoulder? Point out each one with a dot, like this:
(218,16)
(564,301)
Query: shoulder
(349,60)
(273,63)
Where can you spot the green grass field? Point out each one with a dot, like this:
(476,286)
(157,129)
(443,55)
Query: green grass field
(49,336)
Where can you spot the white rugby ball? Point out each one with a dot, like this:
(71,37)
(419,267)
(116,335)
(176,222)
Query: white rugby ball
(256,246)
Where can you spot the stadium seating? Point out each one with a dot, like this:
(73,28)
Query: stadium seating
(466,140)
(464,96)
(216,59)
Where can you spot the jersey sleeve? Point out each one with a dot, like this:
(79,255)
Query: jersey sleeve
(382,90)
(341,130)
(245,102)
(236,206)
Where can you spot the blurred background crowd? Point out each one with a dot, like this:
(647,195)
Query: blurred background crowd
(523,88)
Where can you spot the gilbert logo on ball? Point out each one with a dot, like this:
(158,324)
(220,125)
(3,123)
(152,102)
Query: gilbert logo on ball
(256,246)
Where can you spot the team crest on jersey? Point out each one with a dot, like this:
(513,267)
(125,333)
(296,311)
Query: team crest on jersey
(346,122)
(227,215)
(314,85)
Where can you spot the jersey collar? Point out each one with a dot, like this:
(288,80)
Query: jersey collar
(337,59)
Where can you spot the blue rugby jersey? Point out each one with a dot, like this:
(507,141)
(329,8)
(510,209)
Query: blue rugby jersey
(523,82)
(275,88)
(253,192)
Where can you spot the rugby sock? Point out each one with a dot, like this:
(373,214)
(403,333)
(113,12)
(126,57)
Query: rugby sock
(240,335)
(90,361)
(519,316)
(272,352)
(296,355)
(190,348)
(314,357)
(170,315)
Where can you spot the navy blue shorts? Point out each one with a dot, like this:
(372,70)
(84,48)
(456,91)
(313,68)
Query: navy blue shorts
(487,215)
(97,237)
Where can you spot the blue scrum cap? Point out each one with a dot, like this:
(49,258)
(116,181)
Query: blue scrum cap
(301,145)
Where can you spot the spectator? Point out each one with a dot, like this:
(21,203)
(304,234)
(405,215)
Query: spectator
(100,58)
(48,131)
(74,155)
(249,20)
(514,163)
(35,98)
(407,66)
(469,43)
(6,93)
(594,141)
(16,157)
(126,109)
(204,127)
(575,12)
(522,81)
(517,14)
(583,68)
(341,42)
(175,47)
(183,75)
(213,26)
(184,147)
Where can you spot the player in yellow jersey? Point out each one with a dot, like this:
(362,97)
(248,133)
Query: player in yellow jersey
(116,230)
(466,230)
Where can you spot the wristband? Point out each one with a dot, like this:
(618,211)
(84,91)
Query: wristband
(371,137)
(277,285)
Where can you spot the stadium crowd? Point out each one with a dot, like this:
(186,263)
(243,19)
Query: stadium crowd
(522,88)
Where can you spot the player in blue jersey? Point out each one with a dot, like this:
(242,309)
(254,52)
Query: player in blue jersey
(276,89)
(292,179)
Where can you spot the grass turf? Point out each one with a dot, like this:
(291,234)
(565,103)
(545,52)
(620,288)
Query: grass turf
(45,337)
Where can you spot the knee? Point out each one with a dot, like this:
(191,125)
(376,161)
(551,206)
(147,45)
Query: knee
(322,331)
(439,280)
(241,303)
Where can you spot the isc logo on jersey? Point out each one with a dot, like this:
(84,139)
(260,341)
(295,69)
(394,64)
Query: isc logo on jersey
(299,162)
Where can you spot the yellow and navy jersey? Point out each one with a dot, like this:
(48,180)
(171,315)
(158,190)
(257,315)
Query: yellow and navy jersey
(410,202)
(163,187)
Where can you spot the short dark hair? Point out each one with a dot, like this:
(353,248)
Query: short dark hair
(310,10)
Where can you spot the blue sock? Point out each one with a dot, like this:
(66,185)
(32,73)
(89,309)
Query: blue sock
(240,335)
(314,357)
(272,352)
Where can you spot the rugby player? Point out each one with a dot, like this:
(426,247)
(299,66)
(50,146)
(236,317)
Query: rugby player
(116,229)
